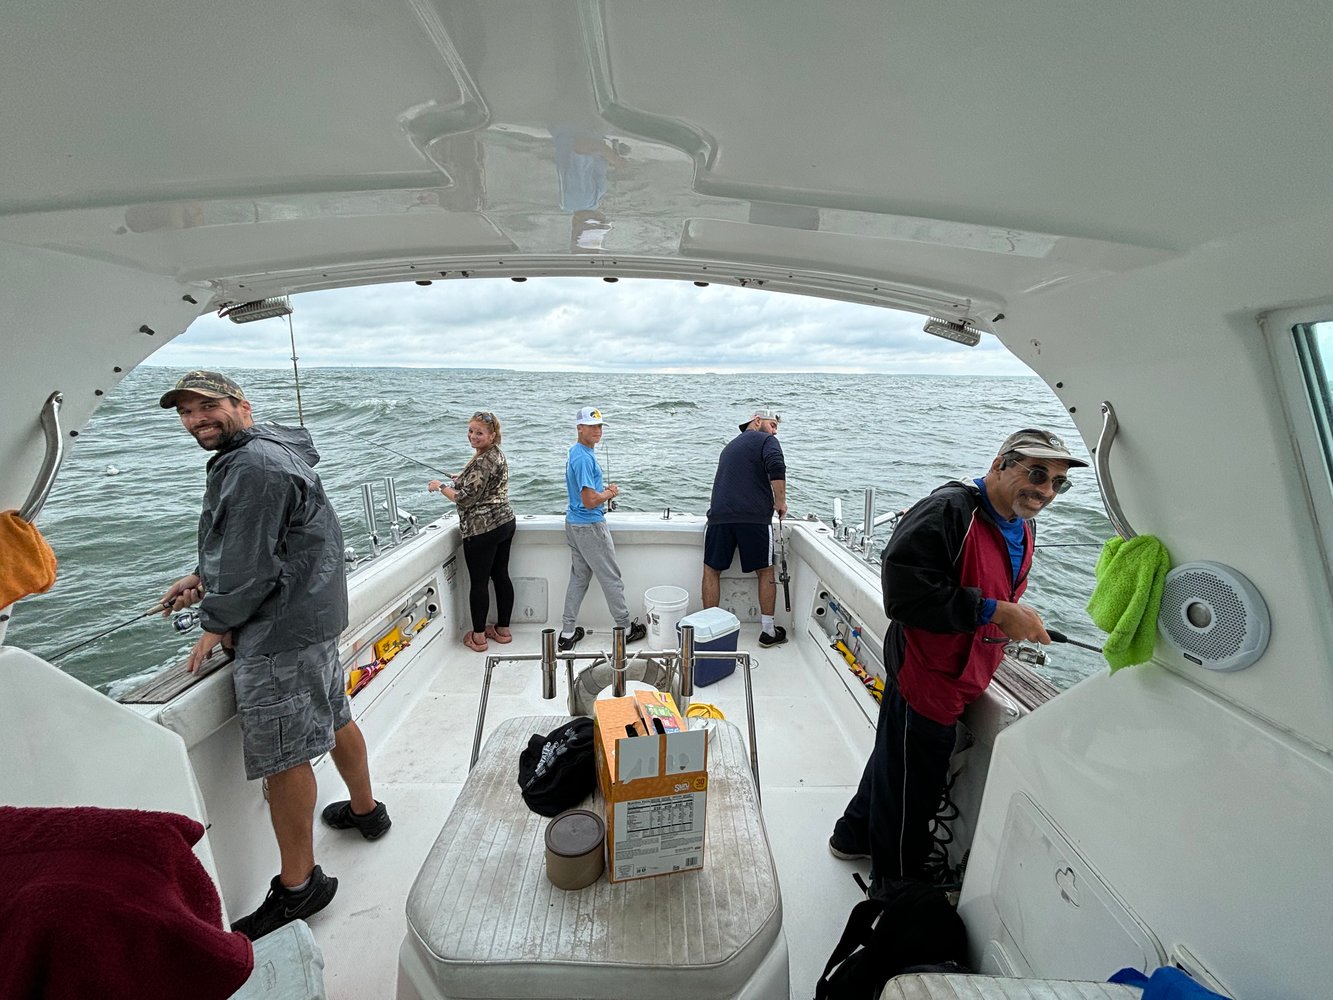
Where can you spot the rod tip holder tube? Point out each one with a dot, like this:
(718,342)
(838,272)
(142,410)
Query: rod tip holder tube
(618,661)
(686,660)
(548,663)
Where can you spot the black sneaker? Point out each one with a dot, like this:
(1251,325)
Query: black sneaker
(845,852)
(778,637)
(373,825)
(281,906)
(565,643)
(636,631)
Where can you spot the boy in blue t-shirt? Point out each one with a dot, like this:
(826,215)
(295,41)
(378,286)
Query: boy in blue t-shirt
(592,553)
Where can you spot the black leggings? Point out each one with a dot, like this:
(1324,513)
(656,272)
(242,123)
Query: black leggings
(487,557)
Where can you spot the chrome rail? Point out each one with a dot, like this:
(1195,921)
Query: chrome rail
(1105,486)
(55,455)
(683,659)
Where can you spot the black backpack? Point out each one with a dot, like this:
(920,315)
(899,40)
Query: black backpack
(557,771)
(901,927)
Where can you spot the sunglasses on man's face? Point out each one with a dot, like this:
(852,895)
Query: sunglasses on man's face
(1039,476)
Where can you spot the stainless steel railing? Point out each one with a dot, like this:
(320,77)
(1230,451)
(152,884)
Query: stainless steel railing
(55,455)
(1103,467)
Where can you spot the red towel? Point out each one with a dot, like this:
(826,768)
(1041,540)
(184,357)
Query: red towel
(111,903)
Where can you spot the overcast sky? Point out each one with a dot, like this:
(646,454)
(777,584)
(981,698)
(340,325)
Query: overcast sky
(585,324)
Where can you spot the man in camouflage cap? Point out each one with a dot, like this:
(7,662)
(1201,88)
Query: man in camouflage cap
(952,575)
(271,583)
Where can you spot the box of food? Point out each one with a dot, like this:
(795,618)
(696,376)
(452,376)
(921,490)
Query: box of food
(654,785)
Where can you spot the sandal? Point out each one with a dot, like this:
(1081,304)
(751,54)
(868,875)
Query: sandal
(475,641)
(493,632)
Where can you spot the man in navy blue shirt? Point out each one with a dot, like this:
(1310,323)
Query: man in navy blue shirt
(751,483)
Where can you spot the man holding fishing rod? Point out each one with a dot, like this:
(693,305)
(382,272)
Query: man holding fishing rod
(953,572)
(750,484)
(272,585)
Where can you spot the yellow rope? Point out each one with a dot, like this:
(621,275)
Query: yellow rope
(703,710)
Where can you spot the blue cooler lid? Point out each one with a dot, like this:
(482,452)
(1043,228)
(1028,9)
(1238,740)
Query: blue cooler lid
(710,624)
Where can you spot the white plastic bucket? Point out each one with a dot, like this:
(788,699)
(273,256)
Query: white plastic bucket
(664,607)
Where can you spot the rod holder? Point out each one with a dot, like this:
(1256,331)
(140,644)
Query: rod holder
(548,664)
(368,505)
(618,661)
(868,525)
(686,667)
(391,498)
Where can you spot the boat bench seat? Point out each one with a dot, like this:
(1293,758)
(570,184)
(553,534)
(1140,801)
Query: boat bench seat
(483,921)
(948,986)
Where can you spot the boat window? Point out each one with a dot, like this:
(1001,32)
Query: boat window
(1314,346)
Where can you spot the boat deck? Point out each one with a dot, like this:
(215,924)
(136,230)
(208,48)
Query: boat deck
(813,739)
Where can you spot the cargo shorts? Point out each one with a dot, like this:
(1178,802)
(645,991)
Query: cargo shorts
(289,705)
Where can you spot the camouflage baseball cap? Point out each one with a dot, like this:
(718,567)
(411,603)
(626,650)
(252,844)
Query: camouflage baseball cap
(214,385)
(1032,442)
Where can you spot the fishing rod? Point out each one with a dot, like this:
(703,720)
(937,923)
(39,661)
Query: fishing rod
(1061,637)
(155,610)
(606,471)
(392,451)
(783,576)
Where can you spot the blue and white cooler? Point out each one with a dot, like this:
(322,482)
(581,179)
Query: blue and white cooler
(715,630)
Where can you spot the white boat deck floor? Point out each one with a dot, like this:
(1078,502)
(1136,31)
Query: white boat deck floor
(813,739)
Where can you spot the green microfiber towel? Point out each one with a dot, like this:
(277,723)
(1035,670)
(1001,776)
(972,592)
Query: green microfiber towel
(1130,578)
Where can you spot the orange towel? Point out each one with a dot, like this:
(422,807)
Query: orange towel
(27,564)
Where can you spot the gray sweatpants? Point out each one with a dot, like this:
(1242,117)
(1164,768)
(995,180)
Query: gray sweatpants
(592,553)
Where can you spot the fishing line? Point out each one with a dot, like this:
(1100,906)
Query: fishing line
(392,451)
(158,609)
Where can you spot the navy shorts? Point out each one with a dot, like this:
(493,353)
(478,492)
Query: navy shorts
(754,540)
(289,705)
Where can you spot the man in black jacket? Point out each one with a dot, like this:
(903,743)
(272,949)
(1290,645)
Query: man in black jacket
(952,575)
(272,585)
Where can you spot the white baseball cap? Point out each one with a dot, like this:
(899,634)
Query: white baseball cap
(589,416)
(763,414)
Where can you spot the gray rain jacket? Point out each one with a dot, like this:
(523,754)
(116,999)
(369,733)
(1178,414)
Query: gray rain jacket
(270,547)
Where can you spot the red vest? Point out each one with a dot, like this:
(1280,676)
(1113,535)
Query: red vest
(942,673)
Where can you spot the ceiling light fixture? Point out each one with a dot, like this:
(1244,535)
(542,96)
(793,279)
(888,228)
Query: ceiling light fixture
(248,312)
(959,333)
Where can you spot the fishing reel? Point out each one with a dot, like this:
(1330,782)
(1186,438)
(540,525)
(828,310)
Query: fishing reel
(184,621)
(1033,656)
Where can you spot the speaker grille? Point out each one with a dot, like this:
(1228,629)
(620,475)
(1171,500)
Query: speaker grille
(1226,635)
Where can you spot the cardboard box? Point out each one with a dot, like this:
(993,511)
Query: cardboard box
(655,789)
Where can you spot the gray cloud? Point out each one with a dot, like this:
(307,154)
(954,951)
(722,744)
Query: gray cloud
(585,324)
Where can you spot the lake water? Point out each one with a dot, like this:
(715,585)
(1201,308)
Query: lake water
(123,514)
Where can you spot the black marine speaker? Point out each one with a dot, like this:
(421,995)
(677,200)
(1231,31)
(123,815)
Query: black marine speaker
(1214,616)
